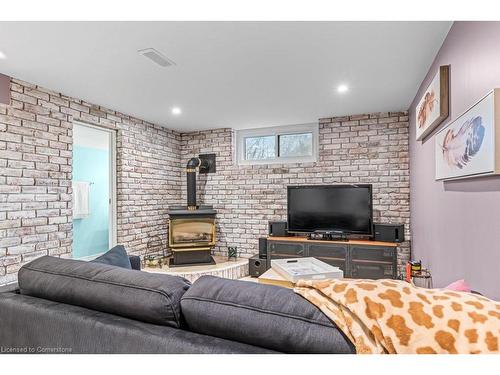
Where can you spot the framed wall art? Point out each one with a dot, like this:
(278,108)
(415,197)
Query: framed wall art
(470,145)
(433,106)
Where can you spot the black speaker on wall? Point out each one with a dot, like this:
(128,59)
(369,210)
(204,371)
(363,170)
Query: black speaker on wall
(257,266)
(263,248)
(389,232)
(278,228)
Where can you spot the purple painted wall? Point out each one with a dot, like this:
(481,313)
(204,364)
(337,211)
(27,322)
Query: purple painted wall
(456,225)
(4,89)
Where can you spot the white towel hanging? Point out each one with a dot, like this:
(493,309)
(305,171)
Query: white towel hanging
(81,202)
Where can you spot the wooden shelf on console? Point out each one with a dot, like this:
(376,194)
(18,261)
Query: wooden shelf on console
(348,242)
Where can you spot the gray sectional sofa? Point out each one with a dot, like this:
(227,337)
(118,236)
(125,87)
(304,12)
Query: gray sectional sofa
(70,306)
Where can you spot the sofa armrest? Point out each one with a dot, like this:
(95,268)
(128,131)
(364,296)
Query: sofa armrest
(135,262)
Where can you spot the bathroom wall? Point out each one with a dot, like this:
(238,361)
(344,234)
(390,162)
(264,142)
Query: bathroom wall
(91,234)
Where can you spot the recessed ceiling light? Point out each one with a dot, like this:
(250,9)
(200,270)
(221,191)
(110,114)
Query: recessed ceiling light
(176,111)
(342,88)
(2,56)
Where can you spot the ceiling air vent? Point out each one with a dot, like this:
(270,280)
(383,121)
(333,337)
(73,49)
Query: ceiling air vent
(156,57)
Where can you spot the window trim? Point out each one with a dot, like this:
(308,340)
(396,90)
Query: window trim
(276,131)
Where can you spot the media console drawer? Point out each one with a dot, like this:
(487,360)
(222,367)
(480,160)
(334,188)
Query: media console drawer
(283,249)
(368,270)
(342,264)
(332,254)
(327,250)
(374,253)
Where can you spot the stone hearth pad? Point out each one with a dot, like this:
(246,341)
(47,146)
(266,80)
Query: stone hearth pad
(233,269)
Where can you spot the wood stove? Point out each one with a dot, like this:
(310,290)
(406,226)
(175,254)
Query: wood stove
(192,230)
(191,235)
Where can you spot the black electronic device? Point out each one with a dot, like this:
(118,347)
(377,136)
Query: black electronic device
(330,208)
(257,266)
(263,248)
(278,229)
(328,236)
(389,232)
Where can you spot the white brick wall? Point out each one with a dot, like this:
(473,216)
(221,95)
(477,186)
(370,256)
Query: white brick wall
(35,176)
(369,148)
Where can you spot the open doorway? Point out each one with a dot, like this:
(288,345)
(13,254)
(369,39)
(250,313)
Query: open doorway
(94,190)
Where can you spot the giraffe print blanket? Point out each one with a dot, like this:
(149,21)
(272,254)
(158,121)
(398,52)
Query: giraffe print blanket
(392,316)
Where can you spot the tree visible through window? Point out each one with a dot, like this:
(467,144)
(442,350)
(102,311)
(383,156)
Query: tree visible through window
(295,145)
(260,148)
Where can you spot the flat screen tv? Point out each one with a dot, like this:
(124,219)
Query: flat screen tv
(345,208)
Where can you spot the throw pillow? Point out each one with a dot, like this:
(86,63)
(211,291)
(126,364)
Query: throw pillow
(459,286)
(117,256)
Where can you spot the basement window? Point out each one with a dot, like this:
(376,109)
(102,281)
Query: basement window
(282,144)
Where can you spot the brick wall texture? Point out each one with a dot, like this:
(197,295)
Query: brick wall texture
(371,148)
(36,171)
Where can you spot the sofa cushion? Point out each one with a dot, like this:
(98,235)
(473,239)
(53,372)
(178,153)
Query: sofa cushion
(148,297)
(263,315)
(117,256)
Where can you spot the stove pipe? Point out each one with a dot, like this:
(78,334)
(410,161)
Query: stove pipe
(192,165)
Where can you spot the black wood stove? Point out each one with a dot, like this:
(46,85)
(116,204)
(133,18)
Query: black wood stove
(192,230)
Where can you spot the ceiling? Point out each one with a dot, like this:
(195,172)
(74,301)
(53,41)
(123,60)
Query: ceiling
(227,74)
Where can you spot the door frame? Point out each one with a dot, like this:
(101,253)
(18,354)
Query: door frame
(113,201)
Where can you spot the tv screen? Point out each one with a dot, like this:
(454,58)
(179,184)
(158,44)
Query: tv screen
(346,208)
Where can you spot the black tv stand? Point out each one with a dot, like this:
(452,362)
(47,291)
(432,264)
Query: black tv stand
(360,259)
